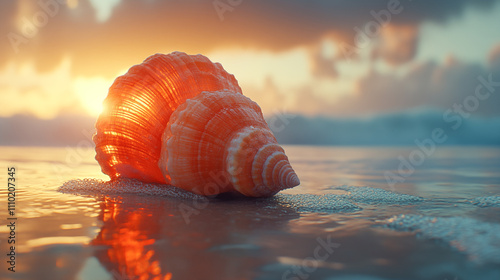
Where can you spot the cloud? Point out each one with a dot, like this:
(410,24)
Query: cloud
(425,85)
(69,59)
(397,44)
(322,66)
(267,96)
(45,31)
(421,85)
(494,58)
(45,95)
(306,101)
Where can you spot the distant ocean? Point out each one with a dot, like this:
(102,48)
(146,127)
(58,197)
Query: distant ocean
(359,213)
(390,129)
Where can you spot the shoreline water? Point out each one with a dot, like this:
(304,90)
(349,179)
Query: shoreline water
(120,235)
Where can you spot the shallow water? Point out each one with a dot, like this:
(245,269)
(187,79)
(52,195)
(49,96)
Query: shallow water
(440,222)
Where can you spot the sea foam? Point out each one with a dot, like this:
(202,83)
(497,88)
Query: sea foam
(327,203)
(123,186)
(369,195)
(479,240)
(487,201)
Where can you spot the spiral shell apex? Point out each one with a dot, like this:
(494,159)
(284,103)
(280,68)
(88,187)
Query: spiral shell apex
(180,119)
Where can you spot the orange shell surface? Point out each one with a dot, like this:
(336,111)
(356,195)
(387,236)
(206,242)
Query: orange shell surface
(139,105)
(218,142)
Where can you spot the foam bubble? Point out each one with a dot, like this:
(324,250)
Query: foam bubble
(327,203)
(123,186)
(371,195)
(487,201)
(479,240)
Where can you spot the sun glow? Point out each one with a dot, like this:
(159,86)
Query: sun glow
(91,93)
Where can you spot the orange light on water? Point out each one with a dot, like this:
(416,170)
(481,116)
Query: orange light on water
(127,245)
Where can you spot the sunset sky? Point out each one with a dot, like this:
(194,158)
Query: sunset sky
(334,60)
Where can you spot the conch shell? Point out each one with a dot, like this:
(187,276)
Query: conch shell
(180,119)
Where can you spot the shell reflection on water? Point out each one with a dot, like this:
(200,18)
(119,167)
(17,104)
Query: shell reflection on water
(171,239)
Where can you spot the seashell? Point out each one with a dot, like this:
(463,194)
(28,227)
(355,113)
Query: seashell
(180,119)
